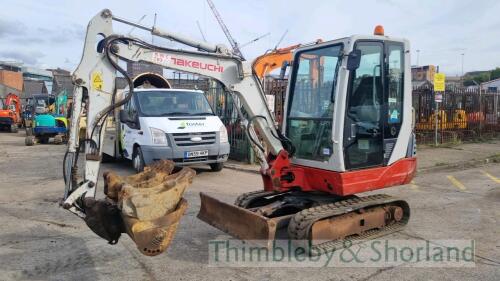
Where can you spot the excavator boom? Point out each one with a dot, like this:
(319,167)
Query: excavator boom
(95,87)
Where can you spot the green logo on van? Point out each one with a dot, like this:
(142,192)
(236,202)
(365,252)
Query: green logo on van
(182,125)
(185,124)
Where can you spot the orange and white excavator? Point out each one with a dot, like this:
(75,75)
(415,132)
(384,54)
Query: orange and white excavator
(347,129)
(10,113)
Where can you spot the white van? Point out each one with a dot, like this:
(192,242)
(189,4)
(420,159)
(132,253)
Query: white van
(161,123)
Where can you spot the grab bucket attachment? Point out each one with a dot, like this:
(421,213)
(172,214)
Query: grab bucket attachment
(150,203)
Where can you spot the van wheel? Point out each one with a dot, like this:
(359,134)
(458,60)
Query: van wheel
(138,160)
(216,167)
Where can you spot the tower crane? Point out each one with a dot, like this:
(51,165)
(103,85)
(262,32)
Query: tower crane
(232,42)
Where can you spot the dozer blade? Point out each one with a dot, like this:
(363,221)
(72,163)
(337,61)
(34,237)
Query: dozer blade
(149,205)
(239,222)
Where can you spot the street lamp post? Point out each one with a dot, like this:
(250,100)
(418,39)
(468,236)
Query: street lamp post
(418,57)
(462,64)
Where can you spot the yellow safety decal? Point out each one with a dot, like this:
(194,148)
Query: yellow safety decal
(97,81)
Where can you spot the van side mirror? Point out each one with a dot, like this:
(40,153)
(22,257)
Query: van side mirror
(353,60)
(125,117)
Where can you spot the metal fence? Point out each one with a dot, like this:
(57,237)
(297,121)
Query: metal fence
(276,88)
(463,115)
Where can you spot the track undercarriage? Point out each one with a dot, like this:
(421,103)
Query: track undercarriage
(321,222)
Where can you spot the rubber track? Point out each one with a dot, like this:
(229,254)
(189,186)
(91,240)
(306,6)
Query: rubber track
(300,225)
(244,199)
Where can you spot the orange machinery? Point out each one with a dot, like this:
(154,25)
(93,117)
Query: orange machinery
(274,59)
(10,113)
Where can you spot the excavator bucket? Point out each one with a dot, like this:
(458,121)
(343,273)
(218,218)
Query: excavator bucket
(239,222)
(150,203)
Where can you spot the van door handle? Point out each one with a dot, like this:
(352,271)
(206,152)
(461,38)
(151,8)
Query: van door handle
(353,130)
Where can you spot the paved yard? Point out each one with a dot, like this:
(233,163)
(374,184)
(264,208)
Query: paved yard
(40,241)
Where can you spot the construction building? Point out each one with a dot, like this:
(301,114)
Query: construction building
(61,81)
(33,87)
(11,78)
(423,73)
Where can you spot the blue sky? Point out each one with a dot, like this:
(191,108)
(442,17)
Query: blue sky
(50,33)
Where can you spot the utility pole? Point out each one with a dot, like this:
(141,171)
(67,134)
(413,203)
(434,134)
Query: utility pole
(462,65)
(418,57)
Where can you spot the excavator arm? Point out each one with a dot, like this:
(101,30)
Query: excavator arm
(95,91)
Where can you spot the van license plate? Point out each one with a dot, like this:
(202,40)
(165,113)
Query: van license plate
(199,153)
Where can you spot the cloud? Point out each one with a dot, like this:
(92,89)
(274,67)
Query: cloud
(439,29)
(11,28)
(63,35)
(16,33)
(29,58)
(27,40)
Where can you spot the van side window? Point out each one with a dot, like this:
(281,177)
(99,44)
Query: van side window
(130,108)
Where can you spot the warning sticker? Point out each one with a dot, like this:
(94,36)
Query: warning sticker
(97,81)
(394,117)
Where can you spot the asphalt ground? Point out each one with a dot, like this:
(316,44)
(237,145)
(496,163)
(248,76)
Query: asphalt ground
(41,241)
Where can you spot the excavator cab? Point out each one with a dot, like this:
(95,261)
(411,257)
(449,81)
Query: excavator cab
(345,107)
(348,116)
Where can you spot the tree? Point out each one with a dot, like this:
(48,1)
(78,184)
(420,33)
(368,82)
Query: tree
(480,78)
(495,73)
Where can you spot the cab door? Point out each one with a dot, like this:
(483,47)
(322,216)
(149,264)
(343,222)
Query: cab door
(363,126)
(374,106)
(394,90)
(310,104)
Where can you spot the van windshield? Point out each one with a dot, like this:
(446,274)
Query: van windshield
(173,103)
